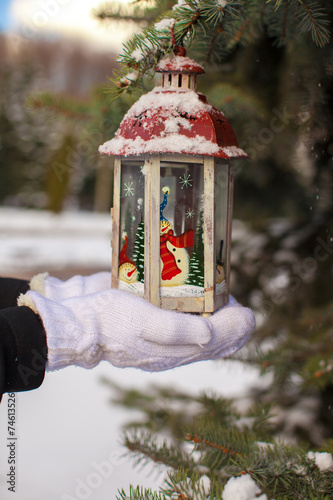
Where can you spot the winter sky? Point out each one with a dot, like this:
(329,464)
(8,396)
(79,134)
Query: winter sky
(61,18)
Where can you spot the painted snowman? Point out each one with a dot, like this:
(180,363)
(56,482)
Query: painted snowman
(127,269)
(173,254)
(174,257)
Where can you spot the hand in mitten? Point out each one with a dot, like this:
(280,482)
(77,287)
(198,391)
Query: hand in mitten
(128,331)
(57,290)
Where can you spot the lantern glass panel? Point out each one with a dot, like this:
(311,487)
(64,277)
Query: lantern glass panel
(181,229)
(131,251)
(221,223)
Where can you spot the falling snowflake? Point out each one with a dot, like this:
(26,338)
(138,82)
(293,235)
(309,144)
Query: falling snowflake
(129,188)
(133,218)
(186,181)
(189,214)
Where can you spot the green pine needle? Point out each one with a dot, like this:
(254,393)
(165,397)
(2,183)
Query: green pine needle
(215,29)
(312,18)
(140,493)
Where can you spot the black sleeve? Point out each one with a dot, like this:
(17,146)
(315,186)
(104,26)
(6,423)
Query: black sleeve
(10,289)
(23,350)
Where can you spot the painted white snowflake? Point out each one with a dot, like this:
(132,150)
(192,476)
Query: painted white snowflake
(129,188)
(186,181)
(190,213)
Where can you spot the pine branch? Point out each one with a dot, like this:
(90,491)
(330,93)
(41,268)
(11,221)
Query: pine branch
(309,359)
(313,18)
(246,28)
(309,16)
(134,12)
(155,407)
(185,485)
(140,493)
(198,440)
(226,444)
(218,28)
(277,3)
(144,50)
(145,449)
(220,445)
(217,33)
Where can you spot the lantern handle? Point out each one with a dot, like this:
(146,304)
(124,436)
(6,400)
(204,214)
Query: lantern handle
(178,50)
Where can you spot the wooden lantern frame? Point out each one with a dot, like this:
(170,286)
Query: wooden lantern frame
(211,299)
(175,124)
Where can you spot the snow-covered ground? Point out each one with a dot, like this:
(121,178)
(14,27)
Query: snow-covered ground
(31,240)
(68,433)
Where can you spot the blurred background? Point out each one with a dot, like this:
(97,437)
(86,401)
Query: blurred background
(55,197)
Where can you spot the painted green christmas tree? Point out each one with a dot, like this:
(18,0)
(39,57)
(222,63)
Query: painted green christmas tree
(196,273)
(196,264)
(139,251)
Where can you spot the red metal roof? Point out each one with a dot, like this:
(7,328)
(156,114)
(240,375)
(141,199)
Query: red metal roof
(179,64)
(174,120)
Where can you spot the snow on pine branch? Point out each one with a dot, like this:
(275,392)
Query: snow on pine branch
(217,27)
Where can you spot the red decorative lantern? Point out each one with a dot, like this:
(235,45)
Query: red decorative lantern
(173,195)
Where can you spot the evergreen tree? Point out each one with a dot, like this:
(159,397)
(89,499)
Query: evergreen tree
(25,137)
(212,447)
(195,275)
(51,141)
(139,251)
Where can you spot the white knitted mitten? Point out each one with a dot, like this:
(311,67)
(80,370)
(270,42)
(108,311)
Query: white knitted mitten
(128,331)
(58,290)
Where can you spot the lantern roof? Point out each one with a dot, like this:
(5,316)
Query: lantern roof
(181,64)
(174,118)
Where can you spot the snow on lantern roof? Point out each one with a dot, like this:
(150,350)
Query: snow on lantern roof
(180,64)
(174,119)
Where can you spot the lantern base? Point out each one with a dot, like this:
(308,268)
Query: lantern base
(170,291)
(178,297)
